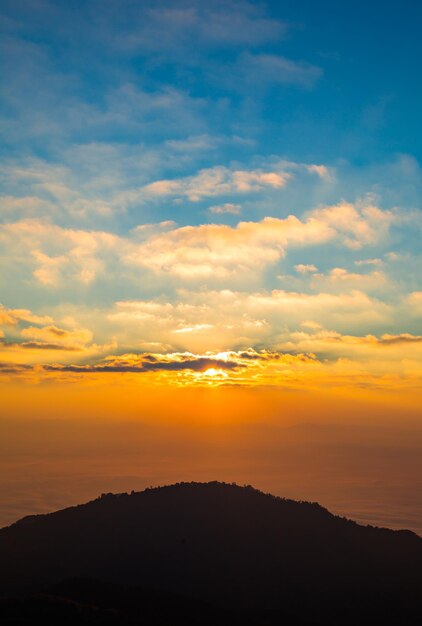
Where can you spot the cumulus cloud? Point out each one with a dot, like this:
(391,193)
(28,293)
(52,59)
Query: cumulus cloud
(356,225)
(213,250)
(60,257)
(58,254)
(217,250)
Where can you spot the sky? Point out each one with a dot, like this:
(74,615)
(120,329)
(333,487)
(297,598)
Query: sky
(210,213)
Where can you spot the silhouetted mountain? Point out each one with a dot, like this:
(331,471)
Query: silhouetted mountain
(83,602)
(231,553)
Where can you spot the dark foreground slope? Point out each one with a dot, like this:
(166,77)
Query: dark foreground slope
(234,548)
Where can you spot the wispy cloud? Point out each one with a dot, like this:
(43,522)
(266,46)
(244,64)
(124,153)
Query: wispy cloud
(216,181)
(227,207)
(270,69)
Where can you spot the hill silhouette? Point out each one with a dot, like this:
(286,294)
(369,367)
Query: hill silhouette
(233,554)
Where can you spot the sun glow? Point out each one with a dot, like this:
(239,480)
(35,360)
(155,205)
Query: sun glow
(214,372)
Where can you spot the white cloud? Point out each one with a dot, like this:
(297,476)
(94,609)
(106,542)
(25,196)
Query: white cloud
(357,225)
(220,251)
(55,255)
(202,320)
(216,252)
(306,268)
(340,279)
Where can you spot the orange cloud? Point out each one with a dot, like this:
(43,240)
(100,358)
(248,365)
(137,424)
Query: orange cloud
(61,336)
(11,317)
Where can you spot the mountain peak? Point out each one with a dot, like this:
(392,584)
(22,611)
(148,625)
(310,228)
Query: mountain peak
(221,543)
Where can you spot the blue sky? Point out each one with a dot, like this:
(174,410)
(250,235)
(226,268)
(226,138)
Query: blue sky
(210,176)
(286,75)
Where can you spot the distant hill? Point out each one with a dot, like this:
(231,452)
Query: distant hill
(233,553)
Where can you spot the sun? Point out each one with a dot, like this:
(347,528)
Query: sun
(213,374)
(211,371)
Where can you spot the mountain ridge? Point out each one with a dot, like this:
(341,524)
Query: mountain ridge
(220,543)
(183,484)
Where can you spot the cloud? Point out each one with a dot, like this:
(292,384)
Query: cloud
(215,181)
(14,368)
(79,337)
(36,345)
(30,344)
(11,317)
(218,251)
(311,324)
(194,143)
(376,262)
(358,225)
(193,329)
(79,191)
(321,170)
(59,258)
(219,320)
(191,29)
(149,363)
(264,69)
(240,367)
(414,301)
(57,255)
(403,338)
(30,206)
(306,269)
(387,351)
(42,188)
(228,207)
(384,340)
(340,278)
(281,368)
